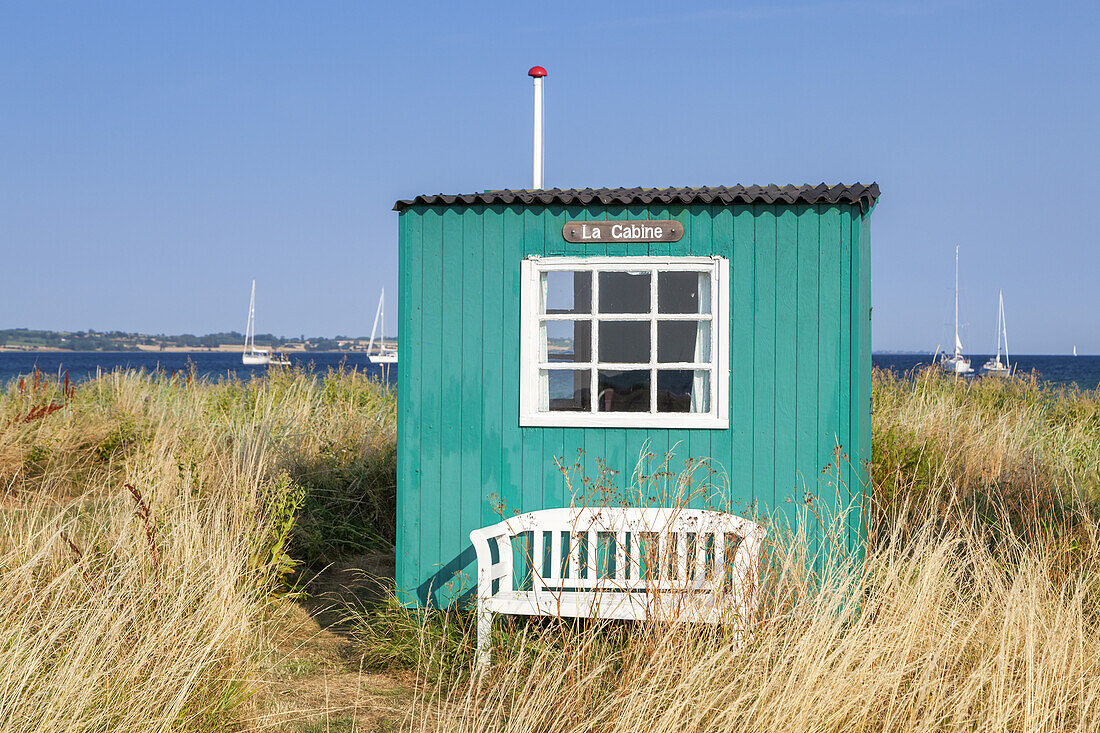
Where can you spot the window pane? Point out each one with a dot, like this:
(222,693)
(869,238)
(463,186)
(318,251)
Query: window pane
(683,341)
(683,390)
(624,292)
(624,342)
(623,391)
(683,292)
(569,341)
(566,292)
(565,390)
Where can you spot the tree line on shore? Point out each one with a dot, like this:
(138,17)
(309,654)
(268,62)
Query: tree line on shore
(92,340)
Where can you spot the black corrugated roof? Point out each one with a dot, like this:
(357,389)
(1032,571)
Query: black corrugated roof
(865,196)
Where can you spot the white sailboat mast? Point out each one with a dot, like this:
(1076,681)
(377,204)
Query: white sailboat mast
(1004,329)
(249,337)
(958,344)
(374,328)
(382,321)
(1000,315)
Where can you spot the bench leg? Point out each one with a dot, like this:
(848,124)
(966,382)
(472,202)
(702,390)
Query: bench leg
(484,636)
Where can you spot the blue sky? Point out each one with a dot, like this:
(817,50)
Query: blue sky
(157,156)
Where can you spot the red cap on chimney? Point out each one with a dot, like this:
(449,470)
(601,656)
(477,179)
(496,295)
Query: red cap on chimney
(537,71)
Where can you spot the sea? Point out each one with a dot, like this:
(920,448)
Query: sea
(1080,371)
(210,365)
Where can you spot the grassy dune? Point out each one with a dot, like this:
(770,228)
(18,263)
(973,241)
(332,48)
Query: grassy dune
(147,522)
(155,531)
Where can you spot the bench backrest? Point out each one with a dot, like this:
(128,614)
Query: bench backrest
(623,550)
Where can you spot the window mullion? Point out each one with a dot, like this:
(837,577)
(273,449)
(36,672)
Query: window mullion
(595,345)
(653,341)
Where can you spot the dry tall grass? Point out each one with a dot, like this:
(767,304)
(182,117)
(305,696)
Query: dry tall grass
(147,609)
(935,433)
(144,524)
(941,632)
(976,608)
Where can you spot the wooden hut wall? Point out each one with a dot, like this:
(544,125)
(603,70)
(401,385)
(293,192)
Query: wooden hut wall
(799,369)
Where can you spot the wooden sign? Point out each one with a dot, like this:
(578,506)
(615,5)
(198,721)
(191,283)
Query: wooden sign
(649,230)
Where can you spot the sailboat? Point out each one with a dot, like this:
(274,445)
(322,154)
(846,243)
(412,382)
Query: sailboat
(1075,349)
(253,356)
(994,365)
(384,354)
(956,363)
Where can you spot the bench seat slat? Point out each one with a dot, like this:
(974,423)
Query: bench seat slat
(682,558)
(574,552)
(555,555)
(591,551)
(620,557)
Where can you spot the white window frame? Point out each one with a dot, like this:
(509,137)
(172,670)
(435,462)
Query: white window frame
(530,346)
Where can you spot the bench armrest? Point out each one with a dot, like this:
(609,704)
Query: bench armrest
(487,570)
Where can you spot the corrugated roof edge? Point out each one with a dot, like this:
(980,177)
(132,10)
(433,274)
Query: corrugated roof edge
(864,195)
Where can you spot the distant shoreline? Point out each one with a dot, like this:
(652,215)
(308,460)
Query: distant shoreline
(26,340)
(166,350)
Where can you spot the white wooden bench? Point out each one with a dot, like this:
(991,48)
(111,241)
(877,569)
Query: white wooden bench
(617,563)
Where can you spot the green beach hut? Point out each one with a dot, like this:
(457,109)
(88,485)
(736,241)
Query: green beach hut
(725,323)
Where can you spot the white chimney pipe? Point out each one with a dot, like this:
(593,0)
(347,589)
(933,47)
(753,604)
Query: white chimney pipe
(538,74)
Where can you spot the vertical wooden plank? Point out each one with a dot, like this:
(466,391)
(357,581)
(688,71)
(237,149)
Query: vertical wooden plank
(861,378)
(867,336)
(742,356)
(688,244)
(512,454)
(408,400)
(472,388)
(618,462)
(698,443)
(415,402)
(845,380)
(451,418)
(400,571)
(492,345)
(764,367)
(632,213)
(431,413)
(722,441)
(400,562)
(828,406)
(806,369)
(866,408)
(571,249)
(786,327)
